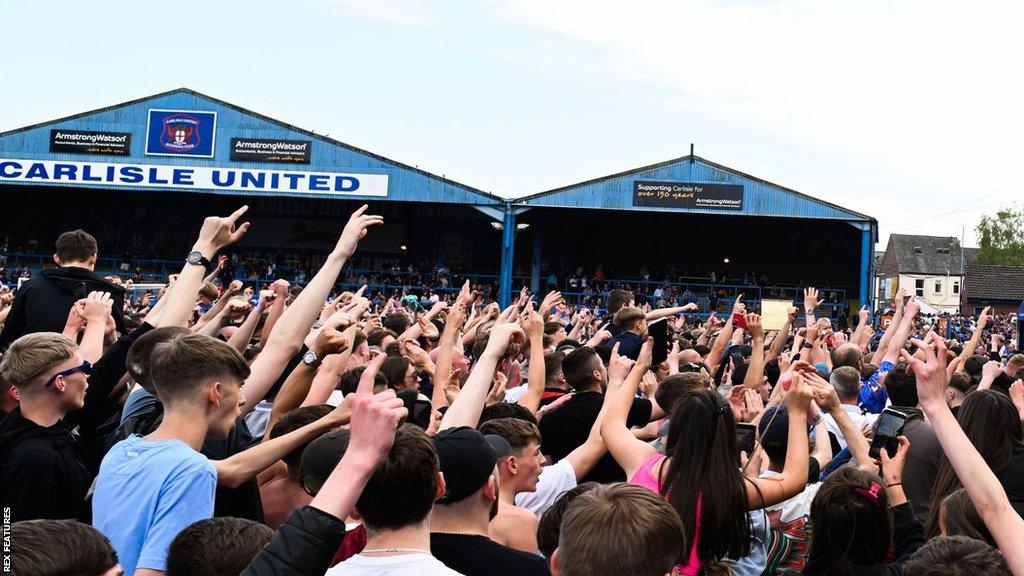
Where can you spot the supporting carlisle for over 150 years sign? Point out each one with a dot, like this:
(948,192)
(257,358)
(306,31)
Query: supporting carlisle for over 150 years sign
(688,195)
(89,174)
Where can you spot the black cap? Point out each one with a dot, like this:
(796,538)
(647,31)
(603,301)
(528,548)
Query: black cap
(320,458)
(467,460)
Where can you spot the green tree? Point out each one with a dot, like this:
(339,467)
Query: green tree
(1001,238)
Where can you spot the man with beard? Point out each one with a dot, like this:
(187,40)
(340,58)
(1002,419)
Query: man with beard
(460,519)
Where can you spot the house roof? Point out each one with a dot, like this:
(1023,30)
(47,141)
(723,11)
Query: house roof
(988,282)
(930,255)
(971,255)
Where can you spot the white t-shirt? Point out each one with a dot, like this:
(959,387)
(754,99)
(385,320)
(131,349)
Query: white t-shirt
(513,395)
(554,480)
(415,564)
(859,420)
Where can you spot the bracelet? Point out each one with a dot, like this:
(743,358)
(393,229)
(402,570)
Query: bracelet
(894,484)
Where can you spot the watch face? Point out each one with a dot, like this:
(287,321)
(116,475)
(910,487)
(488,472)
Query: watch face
(309,357)
(194,257)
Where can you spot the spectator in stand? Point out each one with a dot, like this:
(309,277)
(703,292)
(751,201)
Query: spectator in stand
(42,304)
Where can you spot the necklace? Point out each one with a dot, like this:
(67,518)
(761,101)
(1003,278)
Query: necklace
(394,551)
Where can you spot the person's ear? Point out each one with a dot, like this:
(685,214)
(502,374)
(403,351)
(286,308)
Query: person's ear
(56,259)
(442,486)
(491,489)
(512,463)
(214,394)
(13,393)
(561,378)
(554,563)
(59,385)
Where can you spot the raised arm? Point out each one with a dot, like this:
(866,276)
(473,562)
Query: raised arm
(533,326)
(95,309)
(241,338)
(665,312)
(215,234)
(445,352)
(899,339)
(219,306)
(465,410)
(984,488)
(972,343)
(897,318)
(755,371)
(779,342)
(286,339)
(827,398)
(629,451)
(723,337)
(763,492)
(277,307)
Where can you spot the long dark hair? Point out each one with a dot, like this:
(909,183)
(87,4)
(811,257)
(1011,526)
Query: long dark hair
(961,518)
(852,529)
(992,423)
(702,445)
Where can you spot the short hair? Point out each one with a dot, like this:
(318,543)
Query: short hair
(549,525)
(402,489)
(76,246)
(956,556)
(702,349)
(617,299)
(377,335)
(551,327)
(140,354)
(627,318)
(349,381)
(902,387)
(600,531)
(846,381)
(974,363)
(518,433)
(961,382)
(292,421)
(209,291)
(393,348)
(183,364)
(59,547)
(32,355)
(553,365)
(578,366)
(1017,359)
(397,322)
(480,345)
(739,373)
(506,410)
(673,387)
(216,547)
(394,369)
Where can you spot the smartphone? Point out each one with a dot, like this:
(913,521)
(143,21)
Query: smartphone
(890,426)
(739,320)
(745,435)
(658,330)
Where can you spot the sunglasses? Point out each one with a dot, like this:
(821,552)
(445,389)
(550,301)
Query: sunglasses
(85,368)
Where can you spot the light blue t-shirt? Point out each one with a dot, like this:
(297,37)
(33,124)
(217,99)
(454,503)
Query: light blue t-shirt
(146,493)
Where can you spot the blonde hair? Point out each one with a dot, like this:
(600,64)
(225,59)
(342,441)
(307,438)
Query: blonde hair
(34,354)
(626,318)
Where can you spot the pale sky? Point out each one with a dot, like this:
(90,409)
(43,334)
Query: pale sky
(907,111)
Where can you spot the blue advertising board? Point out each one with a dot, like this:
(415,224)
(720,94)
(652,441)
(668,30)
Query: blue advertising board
(181,133)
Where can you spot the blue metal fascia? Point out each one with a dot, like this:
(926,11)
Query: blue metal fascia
(406,183)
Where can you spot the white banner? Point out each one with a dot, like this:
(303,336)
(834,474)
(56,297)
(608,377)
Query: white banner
(192,177)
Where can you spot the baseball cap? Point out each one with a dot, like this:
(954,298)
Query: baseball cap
(320,458)
(774,438)
(467,459)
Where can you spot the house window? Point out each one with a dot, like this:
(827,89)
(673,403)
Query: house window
(938,286)
(918,250)
(956,286)
(919,288)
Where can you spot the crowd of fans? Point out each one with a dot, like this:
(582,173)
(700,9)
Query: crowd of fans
(210,428)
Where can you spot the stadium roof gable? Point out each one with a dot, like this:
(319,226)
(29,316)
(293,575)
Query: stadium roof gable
(760,197)
(327,154)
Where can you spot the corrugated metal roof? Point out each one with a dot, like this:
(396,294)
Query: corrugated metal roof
(761,198)
(406,182)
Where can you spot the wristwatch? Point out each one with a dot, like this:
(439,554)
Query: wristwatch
(807,345)
(196,257)
(310,359)
(318,324)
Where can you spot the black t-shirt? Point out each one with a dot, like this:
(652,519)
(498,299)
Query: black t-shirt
(567,427)
(481,556)
(1012,479)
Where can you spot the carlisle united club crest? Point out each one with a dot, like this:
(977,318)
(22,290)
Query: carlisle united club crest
(180,133)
